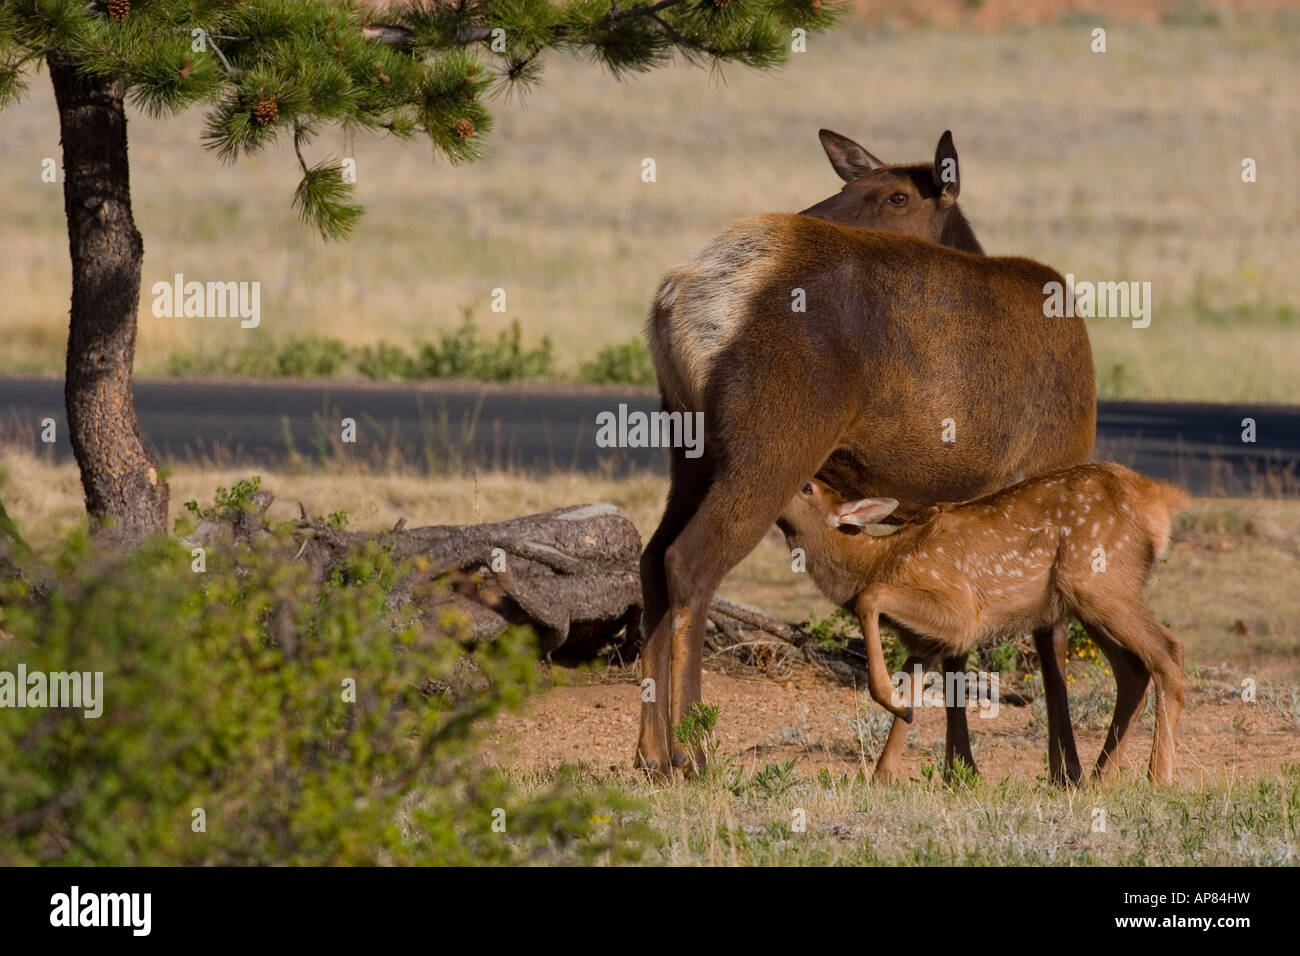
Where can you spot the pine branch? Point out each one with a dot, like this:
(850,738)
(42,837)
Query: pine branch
(271,68)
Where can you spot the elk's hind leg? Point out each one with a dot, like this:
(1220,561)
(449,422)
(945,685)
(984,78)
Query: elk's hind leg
(746,497)
(1162,653)
(689,481)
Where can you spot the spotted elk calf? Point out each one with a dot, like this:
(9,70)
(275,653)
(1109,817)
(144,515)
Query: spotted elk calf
(1080,541)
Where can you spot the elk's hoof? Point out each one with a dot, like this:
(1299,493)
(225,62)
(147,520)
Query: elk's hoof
(652,767)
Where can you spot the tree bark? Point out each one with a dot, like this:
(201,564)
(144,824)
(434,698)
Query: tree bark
(125,496)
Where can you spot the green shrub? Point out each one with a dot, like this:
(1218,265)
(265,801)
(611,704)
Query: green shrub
(385,363)
(625,364)
(311,356)
(225,502)
(1079,646)
(834,633)
(464,353)
(230,692)
(1001,658)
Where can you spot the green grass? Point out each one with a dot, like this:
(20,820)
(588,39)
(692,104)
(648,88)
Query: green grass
(777,816)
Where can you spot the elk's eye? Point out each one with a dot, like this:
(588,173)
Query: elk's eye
(898,199)
(807,489)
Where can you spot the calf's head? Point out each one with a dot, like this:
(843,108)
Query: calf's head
(916,200)
(818,512)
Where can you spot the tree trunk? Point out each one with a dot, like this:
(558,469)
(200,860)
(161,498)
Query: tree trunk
(125,496)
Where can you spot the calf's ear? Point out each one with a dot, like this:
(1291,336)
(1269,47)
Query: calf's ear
(864,512)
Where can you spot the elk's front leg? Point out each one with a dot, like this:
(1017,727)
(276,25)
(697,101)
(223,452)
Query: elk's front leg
(923,612)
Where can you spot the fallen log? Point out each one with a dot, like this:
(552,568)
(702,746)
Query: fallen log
(572,574)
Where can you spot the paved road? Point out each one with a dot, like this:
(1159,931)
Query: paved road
(266,424)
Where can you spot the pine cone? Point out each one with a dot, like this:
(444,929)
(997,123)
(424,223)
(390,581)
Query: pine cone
(266,112)
(463,129)
(119,9)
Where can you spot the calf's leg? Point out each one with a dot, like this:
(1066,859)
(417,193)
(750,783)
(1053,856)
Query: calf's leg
(957,736)
(1062,757)
(889,763)
(1131,680)
(921,611)
(1166,665)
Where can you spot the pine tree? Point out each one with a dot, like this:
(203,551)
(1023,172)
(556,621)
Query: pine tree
(280,71)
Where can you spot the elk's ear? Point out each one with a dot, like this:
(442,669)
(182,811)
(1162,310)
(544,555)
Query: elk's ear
(947,178)
(864,512)
(849,159)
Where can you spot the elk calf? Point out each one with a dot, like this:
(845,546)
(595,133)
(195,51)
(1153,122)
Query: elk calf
(1080,541)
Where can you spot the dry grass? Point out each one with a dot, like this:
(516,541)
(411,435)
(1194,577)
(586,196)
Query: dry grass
(1124,165)
(791,818)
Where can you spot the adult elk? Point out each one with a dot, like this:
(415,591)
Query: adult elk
(902,343)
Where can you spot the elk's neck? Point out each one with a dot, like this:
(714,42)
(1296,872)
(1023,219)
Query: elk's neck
(958,233)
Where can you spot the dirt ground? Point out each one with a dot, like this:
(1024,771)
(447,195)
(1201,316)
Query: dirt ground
(813,720)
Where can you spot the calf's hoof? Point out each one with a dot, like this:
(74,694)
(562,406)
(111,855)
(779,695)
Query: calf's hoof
(885,775)
(690,767)
(1070,777)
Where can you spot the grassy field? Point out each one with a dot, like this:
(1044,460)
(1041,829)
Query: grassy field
(1117,166)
